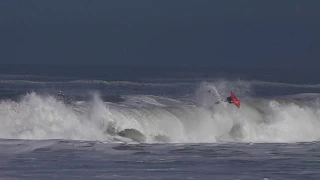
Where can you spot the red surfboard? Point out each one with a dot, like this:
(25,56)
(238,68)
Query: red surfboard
(235,100)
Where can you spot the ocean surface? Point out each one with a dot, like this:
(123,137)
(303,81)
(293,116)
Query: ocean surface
(95,122)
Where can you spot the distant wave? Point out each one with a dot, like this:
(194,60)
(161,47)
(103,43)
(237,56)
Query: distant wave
(155,82)
(115,83)
(265,83)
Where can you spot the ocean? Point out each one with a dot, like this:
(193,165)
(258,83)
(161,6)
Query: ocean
(131,122)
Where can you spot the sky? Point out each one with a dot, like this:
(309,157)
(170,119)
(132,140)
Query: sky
(228,33)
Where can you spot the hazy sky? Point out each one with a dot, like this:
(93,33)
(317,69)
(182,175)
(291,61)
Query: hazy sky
(273,33)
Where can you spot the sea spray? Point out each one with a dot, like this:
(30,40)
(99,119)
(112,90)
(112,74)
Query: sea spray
(151,118)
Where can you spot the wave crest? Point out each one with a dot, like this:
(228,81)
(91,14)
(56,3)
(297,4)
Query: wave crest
(161,119)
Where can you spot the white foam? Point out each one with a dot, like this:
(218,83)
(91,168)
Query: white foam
(39,117)
(44,117)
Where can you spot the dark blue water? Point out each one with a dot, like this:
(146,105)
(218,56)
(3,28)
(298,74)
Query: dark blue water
(136,73)
(94,160)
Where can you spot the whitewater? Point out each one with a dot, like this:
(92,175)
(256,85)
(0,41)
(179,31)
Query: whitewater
(157,129)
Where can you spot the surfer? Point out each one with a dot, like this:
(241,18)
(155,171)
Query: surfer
(231,99)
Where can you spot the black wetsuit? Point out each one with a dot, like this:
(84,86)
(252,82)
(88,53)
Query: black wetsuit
(229,99)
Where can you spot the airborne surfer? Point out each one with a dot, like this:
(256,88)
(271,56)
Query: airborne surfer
(231,99)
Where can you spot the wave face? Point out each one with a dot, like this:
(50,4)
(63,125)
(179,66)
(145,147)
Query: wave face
(193,118)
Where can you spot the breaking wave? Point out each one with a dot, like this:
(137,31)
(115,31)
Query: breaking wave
(153,119)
